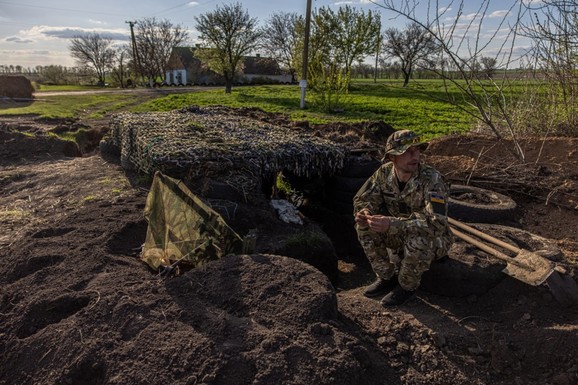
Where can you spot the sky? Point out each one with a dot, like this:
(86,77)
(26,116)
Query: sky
(38,32)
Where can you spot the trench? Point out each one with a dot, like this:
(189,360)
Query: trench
(328,201)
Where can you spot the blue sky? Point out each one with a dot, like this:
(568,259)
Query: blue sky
(38,32)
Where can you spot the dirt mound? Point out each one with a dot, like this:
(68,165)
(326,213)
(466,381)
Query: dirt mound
(15,87)
(78,306)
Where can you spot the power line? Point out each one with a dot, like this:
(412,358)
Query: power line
(58,9)
(185,4)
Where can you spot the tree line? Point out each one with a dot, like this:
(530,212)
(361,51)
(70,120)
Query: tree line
(348,43)
(340,43)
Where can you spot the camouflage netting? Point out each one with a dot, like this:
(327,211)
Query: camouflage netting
(219,143)
(17,87)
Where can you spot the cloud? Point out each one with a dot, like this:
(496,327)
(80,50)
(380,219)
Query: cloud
(24,52)
(18,39)
(97,22)
(500,14)
(469,16)
(32,58)
(42,32)
(193,3)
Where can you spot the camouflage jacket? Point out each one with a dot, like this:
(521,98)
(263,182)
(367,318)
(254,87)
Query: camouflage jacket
(423,201)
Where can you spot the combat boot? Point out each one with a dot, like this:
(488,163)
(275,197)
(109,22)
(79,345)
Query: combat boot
(379,287)
(397,296)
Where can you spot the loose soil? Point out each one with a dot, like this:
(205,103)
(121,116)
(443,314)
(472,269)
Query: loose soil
(77,305)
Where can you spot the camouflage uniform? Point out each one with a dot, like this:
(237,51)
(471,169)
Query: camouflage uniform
(418,232)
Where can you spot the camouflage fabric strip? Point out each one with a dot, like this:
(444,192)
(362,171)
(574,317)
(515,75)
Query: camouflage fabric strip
(179,222)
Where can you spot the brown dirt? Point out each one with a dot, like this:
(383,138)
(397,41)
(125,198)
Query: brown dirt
(15,87)
(77,306)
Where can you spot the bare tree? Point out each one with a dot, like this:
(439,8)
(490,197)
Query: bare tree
(281,39)
(460,46)
(554,32)
(488,65)
(412,46)
(53,74)
(155,40)
(94,51)
(121,69)
(227,34)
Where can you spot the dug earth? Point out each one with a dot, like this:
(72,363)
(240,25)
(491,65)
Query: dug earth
(78,306)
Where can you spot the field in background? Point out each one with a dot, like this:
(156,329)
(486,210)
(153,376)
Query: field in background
(417,108)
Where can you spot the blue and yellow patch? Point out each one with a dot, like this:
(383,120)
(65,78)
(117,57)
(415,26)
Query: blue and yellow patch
(438,202)
(437,198)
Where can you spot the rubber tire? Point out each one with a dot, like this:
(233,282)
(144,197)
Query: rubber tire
(339,196)
(500,208)
(346,184)
(452,277)
(360,168)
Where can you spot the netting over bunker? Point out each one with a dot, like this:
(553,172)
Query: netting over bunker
(222,144)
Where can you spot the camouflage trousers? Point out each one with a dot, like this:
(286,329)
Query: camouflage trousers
(408,253)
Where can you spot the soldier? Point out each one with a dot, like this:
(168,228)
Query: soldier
(401,219)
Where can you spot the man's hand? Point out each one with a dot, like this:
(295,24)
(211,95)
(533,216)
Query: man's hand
(361,217)
(378,223)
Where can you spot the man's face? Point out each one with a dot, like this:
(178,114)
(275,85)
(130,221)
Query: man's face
(407,162)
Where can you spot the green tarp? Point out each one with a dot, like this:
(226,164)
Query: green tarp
(181,227)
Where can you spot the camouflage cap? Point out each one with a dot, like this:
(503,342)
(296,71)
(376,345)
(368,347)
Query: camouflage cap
(400,141)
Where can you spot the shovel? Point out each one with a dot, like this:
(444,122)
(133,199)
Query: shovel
(527,266)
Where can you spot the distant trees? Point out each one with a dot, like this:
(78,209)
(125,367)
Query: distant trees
(413,46)
(338,39)
(227,34)
(281,39)
(155,40)
(121,70)
(488,66)
(54,74)
(554,32)
(95,51)
(461,45)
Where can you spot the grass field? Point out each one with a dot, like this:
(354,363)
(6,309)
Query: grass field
(416,108)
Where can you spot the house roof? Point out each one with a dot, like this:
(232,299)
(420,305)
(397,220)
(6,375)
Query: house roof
(183,57)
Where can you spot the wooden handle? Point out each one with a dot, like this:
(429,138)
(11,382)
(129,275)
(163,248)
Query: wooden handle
(482,246)
(485,236)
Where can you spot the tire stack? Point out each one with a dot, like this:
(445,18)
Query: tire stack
(340,190)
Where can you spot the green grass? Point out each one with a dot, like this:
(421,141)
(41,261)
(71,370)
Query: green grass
(401,107)
(417,107)
(69,106)
(52,88)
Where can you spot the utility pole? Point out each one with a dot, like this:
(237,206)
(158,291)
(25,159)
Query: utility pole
(377,56)
(303,82)
(135,59)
